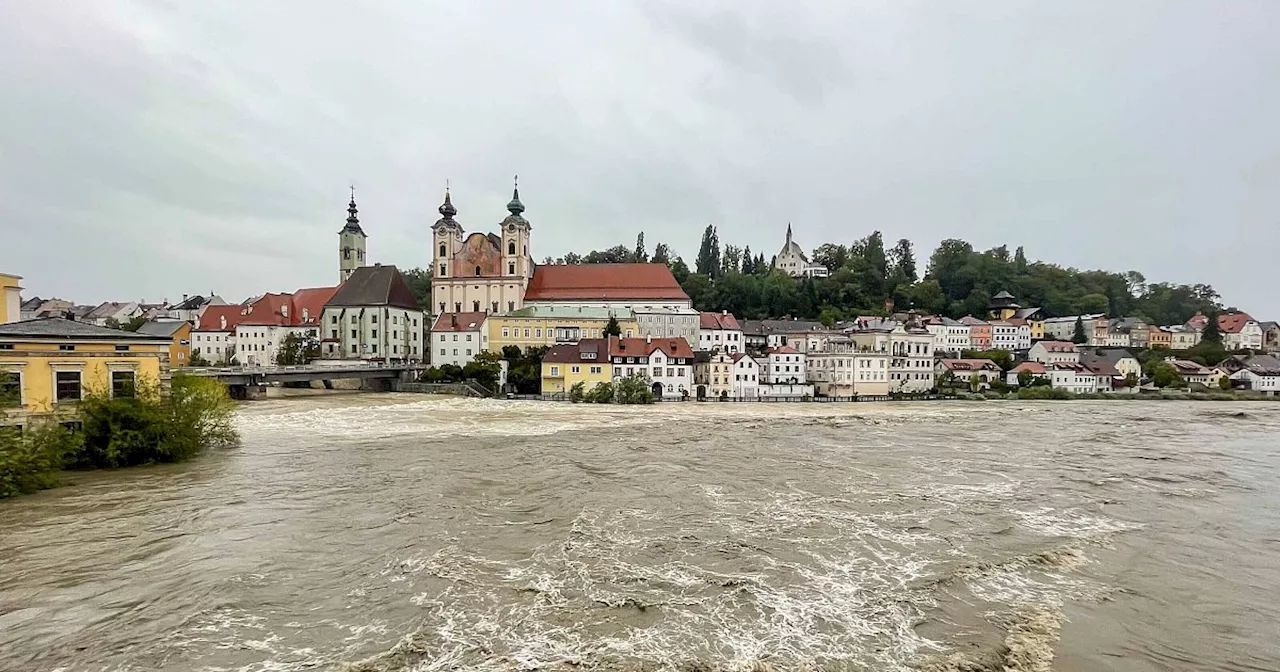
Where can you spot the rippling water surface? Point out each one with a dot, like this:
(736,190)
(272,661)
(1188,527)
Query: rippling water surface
(387,532)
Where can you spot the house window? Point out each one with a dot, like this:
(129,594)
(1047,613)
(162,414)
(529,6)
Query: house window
(68,385)
(537,333)
(122,348)
(595,369)
(493,306)
(373,333)
(670,371)
(505,333)
(373,347)
(442,352)
(10,388)
(333,319)
(122,384)
(555,370)
(657,370)
(468,352)
(468,337)
(455,337)
(457,306)
(511,305)
(441,308)
(353,333)
(333,333)
(526,333)
(475,306)
(353,348)
(575,369)
(373,318)
(415,321)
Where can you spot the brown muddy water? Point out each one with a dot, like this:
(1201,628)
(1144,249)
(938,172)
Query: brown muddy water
(386,532)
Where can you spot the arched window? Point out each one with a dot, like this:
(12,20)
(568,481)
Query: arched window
(443,253)
(477,271)
(457,307)
(511,247)
(475,306)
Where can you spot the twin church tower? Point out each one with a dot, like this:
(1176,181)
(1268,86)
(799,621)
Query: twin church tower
(477,272)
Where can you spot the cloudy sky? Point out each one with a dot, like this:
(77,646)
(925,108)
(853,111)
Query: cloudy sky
(151,148)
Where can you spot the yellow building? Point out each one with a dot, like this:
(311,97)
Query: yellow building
(567,364)
(10,298)
(713,373)
(179,334)
(549,325)
(1037,329)
(48,365)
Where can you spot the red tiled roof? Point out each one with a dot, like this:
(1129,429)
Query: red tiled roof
(1058,346)
(459,321)
(1232,323)
(737,356)
(1033,367)
(211,318)
(603,281)
(782,350)
(309,303)
(969,365)
(708,320)
(269,309)
(672,347)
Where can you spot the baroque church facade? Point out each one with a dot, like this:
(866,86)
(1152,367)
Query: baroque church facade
(480,272)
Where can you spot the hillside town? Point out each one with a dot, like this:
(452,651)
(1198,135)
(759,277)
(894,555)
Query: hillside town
(557,331)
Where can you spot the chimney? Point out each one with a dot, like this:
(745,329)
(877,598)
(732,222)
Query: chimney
(184,297)
(648,340)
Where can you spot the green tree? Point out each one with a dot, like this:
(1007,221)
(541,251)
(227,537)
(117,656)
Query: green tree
(730,260)
(1165,375)
(1224,383)
(111,323)
(419,282)
(904,261)
(612,328)
(708,261)
(680,270)
(1093,304)
(661,254)
(640,256)
(1025,377)
(296,349)
(1211,333)
(602,393)
(578,392)
(1019,261)
(748,262)
(1078,336)
(134,324)
(1001,357)
(1131,380)
(633,390)
(198,359)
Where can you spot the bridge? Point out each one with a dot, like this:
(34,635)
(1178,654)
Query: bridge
(250,382)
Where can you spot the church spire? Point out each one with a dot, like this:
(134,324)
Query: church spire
(514,206)
(353,221)
(446,209)
(788,233)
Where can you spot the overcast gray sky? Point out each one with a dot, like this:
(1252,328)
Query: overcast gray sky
(151,148)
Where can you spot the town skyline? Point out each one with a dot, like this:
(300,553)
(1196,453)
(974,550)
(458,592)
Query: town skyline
(187,141)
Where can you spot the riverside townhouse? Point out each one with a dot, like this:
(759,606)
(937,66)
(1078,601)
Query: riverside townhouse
(666,363)
(48,365)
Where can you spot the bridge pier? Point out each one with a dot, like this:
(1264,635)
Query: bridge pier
(376,384)
(247,392)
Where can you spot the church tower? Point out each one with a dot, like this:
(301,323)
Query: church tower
(515,239)
(446,238)
(350,243)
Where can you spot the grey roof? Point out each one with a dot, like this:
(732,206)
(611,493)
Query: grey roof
(1024,313)
(165,328)
(762,327)
(376,285)
(193,302)
(1269,325)
(1112,355)
(57,327)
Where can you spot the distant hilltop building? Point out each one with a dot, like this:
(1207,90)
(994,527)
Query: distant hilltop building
(793,260)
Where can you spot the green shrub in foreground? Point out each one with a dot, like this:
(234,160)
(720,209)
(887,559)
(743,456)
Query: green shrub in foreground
(31,460)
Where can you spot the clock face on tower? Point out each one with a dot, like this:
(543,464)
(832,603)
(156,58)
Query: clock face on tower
(511,228)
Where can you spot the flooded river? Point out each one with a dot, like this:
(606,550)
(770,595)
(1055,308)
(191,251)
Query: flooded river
(388,532)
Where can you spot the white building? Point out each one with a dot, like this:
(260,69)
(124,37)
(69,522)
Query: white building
(667,362)
(214,335)
(795,263)
(374,316)
(1010,336)
(1073,378)
(846,372)
(746,376)
(1064,328)
(1054,352)
(784,366)
(949,336)
(190,307)
(910,354)
(720,331)
(456,338)
(668,322)
(264,324)
(1239,331)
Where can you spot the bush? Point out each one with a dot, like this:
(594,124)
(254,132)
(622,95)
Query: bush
(633,390)
(1043,393)
(578,393)
(31,460)
(602,393)
(123,432)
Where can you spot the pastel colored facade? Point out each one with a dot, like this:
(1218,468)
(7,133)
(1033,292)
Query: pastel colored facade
(456,338)
(351,244)
(1002,307)
(964,372)
(1054,352)
(1193,372)
(1159,337)
(1270,336)
(793,261)
(910,355)
(567,364)
(746,376)
(48,365)
(949,336)
(179,334)
(1240,331)
(544,326)
(10,298)
(1124,362)
(1182,337)
(668,323)
(720,331)
(631,288)
(713,374)
(666,362)
(846,372)
(374,317)
(480,272)
(979,332)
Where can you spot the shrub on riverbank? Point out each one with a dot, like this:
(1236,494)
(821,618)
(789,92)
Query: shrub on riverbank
(31,460)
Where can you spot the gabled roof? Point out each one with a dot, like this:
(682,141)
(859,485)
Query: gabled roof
(165,328)
(459,322)
(603,281)
(1113,355)
(563,353)
(1233,323)
(376,285)
(57,327)
(1033,367)
(1056,346)
(739,356)
(270,309)
(722,320)
(784,350)
(763,327)
(973,321)
(968,365)
(212,317)
(308,305)
(643,347)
